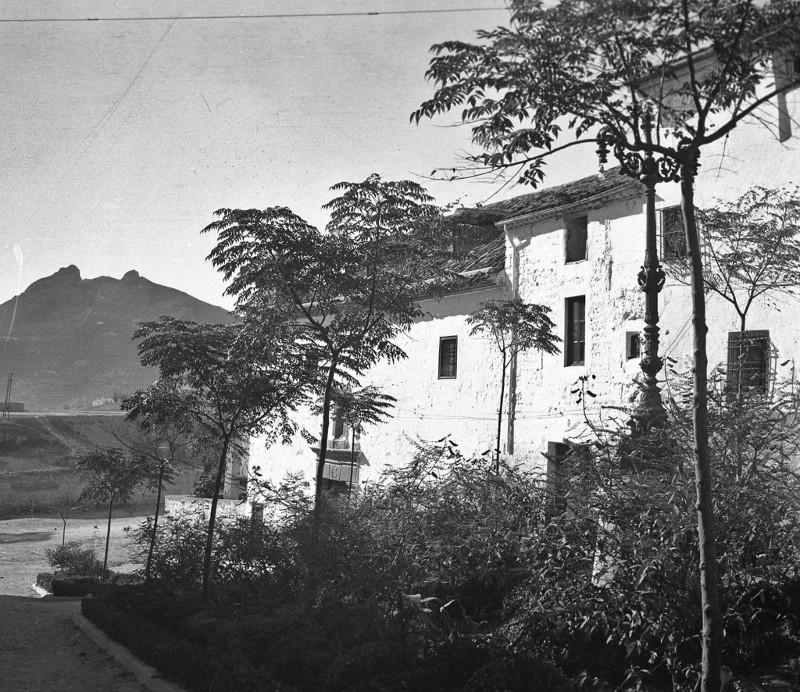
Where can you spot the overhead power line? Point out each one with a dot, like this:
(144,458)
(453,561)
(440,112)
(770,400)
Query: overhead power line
(277,15)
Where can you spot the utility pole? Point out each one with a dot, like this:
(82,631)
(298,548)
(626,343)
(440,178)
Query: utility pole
(6,413)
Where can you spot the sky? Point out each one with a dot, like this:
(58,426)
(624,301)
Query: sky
(121,138)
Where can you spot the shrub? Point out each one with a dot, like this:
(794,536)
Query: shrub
(74,585)
(198,668)
(75,559)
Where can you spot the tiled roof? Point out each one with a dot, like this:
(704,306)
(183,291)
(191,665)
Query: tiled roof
(561,195)
(481,266)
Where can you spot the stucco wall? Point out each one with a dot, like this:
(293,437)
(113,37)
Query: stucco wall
(465,408)
(427,408)
(547,411)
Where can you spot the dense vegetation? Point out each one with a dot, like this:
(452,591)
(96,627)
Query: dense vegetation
(447,575)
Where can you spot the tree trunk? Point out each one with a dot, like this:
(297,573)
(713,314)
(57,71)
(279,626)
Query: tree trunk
(214,501)
(108,537)
(709,584)
(323,446)
(500,415)
(155,527)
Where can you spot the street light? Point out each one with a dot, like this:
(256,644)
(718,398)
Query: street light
(648,410)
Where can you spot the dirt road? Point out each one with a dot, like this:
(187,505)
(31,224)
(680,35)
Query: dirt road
(42,650)
(24,540)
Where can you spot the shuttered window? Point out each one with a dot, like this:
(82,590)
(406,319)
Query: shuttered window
(749,360)
(673,238)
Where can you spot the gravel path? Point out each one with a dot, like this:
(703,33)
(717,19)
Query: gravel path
(42,650)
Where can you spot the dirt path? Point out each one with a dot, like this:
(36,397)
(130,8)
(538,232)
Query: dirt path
(23,542)
(42,650)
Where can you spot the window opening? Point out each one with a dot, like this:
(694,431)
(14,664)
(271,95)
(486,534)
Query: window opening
(448,357)
(576,235)
(749,361)
(575,332)
(673,238)
(633,345)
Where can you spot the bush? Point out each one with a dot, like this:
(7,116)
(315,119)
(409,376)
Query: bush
(74,585)
(73,558)
(44,580)
(198,668)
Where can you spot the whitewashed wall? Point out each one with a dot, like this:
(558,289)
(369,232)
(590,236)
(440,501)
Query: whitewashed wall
(751,155)
(427,408)
(465,408)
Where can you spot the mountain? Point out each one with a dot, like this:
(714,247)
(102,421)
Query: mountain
(69,339)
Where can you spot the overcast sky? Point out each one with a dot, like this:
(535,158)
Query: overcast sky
(119,139)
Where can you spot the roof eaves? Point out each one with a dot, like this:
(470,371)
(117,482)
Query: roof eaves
(631,188)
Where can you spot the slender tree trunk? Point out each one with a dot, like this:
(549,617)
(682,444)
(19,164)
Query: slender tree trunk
(63,528)
(155,526)
(709,583)
(223,457)
(323,446)
(108,536)
(500,415)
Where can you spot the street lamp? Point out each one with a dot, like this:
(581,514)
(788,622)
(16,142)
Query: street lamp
(648,410)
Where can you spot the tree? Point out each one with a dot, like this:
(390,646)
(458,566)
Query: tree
(111,475)
(231,381)
(349,291)
(751,248)
(367,406)
(594,69)
(515,327)
(167,433)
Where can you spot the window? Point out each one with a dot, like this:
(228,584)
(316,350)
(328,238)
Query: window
(448,357)
(575,332)
(633,345)
(673,239)
(564,461)
(575,238)
(748,361)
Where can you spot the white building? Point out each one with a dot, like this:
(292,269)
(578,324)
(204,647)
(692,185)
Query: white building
(576,248)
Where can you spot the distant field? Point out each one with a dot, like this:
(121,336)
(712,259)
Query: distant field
(38,453)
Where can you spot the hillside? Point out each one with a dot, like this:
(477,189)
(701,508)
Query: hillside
(70,344)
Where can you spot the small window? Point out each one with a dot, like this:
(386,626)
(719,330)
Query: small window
(748,361)
(448,357)
(576,234)
(575,331)
(673,238)
(633,345)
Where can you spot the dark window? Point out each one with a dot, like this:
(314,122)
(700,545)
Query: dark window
(575,332)
(576,233)
(748,360)
(633,345)
(448,357)
(563,464)
(557,476)
(673,239)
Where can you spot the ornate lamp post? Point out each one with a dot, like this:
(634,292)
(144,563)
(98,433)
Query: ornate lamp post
(648,409)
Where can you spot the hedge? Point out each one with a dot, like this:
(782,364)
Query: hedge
(197,668)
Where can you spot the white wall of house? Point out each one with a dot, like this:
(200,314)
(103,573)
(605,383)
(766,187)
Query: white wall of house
(428,408)
(546,410)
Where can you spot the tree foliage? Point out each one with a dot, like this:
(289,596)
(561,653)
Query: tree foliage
(577,65)
(231,381)
(111,475)
(595,70)
(348,291)
(515,327)
(751,248)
